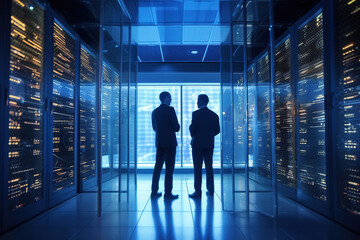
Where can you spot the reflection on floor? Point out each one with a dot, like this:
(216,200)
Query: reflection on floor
(136,216)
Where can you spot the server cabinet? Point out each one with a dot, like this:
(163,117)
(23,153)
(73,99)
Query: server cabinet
(252,123)
(263,115)
(24,114)
(347,117)
(311,139)
(62,112)
(87,114)
(285,115)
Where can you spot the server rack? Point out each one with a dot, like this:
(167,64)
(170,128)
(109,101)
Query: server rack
(87,173)
(285,150)
(344,52)
(263,114)
(66,38)
(308,172)
(25,180)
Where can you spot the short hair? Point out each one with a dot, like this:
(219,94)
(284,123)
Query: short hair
(204,98)
(164,95)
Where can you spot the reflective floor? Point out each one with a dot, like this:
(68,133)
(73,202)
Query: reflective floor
(137,216)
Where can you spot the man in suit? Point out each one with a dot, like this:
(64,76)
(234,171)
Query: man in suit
(165,124)
(203,129)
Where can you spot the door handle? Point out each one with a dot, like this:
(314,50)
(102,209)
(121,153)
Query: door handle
(51,107)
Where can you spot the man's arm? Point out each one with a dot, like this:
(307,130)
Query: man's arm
(194,125)
(154,125)
(217,127)
(174,121)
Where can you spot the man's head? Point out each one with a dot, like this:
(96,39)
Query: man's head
(165,98)
(203,100)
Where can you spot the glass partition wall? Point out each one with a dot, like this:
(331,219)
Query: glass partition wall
(250,85)
(294,86)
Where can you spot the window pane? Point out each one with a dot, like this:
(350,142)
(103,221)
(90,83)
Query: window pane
(148,100)
(189,101)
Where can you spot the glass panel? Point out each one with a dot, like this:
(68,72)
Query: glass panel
(132,118)
(348,106)
(148,100)
(189,104)
(108,76)
(311,109)
(240,144)
(284,110)
(115,124)
(26,134)
(87,115)
(252,123)
(63,108)
(124,125)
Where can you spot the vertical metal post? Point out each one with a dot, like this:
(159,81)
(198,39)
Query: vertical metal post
(136,107)
(5,27)
(120,106)
(98,99)
(128,110)
(272,107)
(182,125)
(77,176)
(246,142)
(232,111)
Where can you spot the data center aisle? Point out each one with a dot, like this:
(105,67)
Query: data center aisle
(140,217)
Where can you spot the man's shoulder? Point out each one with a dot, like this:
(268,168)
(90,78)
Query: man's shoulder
(196,112)
(212,113)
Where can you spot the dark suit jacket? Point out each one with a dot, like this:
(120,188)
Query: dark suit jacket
(165,124)
(204,127)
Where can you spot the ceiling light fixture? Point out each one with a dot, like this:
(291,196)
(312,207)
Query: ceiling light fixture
(194,52)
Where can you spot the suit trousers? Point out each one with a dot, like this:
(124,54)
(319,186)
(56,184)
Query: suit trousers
(206,155)
(167,155)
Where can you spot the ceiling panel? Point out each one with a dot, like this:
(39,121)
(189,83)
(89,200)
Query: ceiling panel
(177,27)
(148,53)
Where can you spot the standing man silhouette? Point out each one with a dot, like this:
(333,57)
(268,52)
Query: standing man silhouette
(165,124)
(203,128)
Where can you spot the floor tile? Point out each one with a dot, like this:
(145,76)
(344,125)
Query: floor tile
(171,219)
(106,233)
(164,233)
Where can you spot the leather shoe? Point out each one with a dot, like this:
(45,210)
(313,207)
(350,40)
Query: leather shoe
(171,196)
(209,194)
(195,195)
(156,194)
